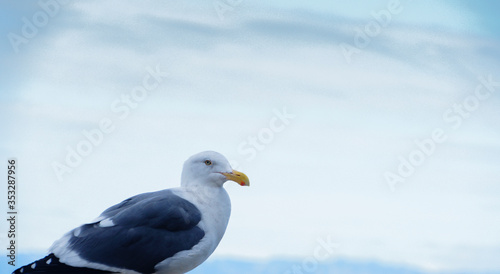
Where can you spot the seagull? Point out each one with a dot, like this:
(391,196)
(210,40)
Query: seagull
(169,231)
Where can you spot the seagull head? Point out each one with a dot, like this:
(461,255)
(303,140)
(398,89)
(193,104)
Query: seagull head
(210,168)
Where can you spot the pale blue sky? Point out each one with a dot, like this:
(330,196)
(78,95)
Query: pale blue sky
(319,174)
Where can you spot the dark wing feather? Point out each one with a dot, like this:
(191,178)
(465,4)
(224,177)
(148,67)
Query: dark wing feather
(148,229)
(51,264)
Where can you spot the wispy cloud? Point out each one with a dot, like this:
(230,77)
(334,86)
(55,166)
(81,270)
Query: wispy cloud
(319,176)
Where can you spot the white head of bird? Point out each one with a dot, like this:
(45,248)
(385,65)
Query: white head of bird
(210,168)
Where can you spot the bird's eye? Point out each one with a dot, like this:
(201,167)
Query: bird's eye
(208,162)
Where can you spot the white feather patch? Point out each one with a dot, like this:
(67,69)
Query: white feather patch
(106,223)
(77,231)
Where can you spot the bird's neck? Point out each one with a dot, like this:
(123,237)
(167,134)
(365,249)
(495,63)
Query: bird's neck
(201,183)
(207,192)
(217,200)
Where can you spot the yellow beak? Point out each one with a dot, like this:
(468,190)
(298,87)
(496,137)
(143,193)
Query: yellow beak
(238,177)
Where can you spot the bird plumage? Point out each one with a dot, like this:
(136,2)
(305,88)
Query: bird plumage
(167,231)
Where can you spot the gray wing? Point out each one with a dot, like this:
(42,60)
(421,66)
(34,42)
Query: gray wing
(140,232)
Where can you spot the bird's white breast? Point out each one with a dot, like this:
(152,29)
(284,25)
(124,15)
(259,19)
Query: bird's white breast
(215,208)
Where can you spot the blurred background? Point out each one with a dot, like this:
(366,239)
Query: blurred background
(369,129)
